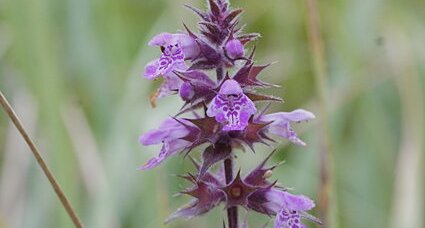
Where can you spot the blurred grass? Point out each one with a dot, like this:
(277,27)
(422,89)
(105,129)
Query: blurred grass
(78,63)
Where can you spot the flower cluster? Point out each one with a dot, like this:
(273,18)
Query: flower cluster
(224,117)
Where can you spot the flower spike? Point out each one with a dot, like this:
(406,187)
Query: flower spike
(219,113)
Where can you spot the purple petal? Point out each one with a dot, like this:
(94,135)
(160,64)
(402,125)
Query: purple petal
(161,39)
(231,107)
(172,58)
(170,85)
(294,116)
(169,130)
(288,219)
(151,70)
(166,64)
(233,111)
(285,130)
(279,199)
(167,150)
(188,44)
(153,137)
(230,87)
(281,124)
(298,202)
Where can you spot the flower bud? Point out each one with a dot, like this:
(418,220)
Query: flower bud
(235,49)
(186,91)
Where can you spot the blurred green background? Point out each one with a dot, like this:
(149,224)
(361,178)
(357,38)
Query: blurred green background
(71,69)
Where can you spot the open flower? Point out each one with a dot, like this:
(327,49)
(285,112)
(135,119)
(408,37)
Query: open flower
(289,208)
(175,49)
(280,124)
(231,107)
(172,57)
(170,134)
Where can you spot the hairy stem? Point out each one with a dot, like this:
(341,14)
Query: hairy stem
(220,73)
(56,187)
(232,212)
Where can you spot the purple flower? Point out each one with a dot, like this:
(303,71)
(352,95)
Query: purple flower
(235,49)
(170,45)
(289,208)
(280,123)
(172,57)
(175,49)
(170,134)
(231,107)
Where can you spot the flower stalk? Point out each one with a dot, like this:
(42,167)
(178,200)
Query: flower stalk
(232,212)
(40,161)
